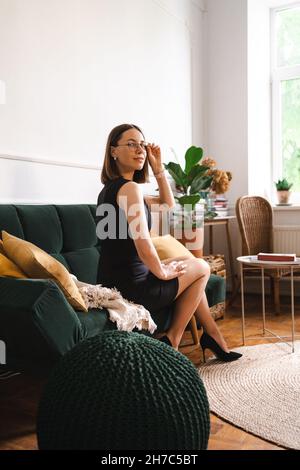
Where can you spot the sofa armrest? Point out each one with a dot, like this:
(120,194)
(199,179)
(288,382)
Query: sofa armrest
(215,290)
(37,323)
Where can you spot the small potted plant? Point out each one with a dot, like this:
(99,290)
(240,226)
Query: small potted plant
(283,191)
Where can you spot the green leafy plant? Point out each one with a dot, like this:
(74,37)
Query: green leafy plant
(283,185)
(192,179)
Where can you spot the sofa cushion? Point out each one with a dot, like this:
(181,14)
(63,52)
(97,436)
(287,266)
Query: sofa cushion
(79,240)
(84,264)
(95,321)
(168,247)
(98,320)
(9,269)
(36,263)
(61,259)
(78,227)
(9,220)
(41,226)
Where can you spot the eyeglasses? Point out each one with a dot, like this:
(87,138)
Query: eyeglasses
(134,145)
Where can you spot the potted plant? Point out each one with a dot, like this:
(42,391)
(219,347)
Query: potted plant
(283,191)
(187,218)
(196,179)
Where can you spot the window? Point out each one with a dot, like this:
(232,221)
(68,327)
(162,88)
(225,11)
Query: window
(286,95)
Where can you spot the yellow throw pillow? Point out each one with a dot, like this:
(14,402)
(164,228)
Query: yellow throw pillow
(1,248)
(9,269)
(37,264)
(168,247)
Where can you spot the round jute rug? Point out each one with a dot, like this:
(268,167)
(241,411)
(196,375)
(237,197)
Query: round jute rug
(259,393)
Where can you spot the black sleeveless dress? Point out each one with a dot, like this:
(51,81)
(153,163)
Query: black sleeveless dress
(120,265)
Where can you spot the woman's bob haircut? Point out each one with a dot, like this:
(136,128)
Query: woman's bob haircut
(110,170)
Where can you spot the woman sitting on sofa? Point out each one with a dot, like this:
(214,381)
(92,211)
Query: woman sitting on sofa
(128,258)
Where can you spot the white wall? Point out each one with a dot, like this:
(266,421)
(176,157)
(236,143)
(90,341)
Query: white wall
(72,70)
(198,36)
(259,99)
(227,105)
(226,93)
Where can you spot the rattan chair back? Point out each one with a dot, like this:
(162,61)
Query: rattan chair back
(255,219)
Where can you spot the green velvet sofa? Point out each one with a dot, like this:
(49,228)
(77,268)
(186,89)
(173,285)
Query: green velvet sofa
(37,324)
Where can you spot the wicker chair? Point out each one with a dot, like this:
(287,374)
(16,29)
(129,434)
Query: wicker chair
(255,220)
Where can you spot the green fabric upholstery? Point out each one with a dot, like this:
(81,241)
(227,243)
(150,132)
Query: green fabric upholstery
(123,391)
(61,259)
(9,220)
(36,321)
(79,236)
(93,212)
(37,324)
(84,264)
(41,226)
(78,226)
(93,322)
(215,290)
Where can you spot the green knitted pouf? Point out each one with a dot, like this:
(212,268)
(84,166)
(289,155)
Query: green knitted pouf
(121,390)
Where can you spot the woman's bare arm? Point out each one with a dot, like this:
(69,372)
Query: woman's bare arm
(130,199)
(165,200)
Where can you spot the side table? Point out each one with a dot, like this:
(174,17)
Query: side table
(252,261)
(211,223)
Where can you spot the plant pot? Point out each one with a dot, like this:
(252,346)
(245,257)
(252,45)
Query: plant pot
(187,226)
(283,197)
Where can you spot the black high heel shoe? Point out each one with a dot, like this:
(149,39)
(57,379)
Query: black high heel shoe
(165,339)
(207,342)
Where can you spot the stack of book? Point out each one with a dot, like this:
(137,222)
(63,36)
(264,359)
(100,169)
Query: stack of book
(221,205)
(276,257)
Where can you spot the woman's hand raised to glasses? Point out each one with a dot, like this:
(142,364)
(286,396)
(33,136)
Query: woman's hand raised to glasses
(154,158)
(172,270)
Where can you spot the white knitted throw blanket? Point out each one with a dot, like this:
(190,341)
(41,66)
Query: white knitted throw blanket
(127,315)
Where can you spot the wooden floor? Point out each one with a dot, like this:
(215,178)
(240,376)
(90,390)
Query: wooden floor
(19,395)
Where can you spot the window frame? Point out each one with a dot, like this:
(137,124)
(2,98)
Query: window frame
(279,74)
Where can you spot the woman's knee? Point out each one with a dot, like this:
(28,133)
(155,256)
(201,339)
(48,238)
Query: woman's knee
(205,268)
(197,272)
(200,268)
